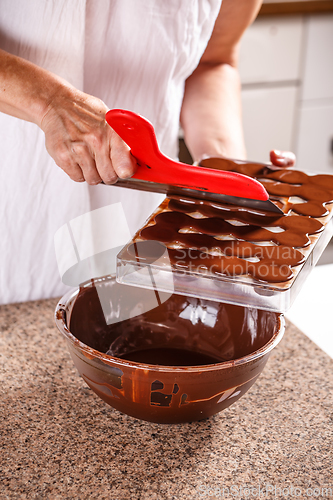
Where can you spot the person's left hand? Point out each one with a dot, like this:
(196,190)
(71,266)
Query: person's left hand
(282,158)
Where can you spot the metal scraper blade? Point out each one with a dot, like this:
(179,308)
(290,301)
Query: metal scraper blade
(154,187)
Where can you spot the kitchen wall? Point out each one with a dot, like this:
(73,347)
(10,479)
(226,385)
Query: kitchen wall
(287,75)
(287,78)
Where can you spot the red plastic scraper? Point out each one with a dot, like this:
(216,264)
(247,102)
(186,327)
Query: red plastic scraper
(158,173)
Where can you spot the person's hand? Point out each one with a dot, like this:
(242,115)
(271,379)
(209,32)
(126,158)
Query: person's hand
(81,142)
(282,158)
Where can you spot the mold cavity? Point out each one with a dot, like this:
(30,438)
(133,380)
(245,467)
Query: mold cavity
(266,180)
(266,244)
(198,215)
(296,200)
(176,246)
(278,181)
(273,229)
(252,259)
(185,230)
(236,223)
(216,251)
(225,237)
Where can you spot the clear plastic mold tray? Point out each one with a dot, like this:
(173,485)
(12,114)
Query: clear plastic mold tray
(148,260)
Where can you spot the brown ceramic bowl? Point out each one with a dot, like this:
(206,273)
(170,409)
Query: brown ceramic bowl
(187,358)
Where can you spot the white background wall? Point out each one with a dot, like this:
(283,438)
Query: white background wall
(286,67)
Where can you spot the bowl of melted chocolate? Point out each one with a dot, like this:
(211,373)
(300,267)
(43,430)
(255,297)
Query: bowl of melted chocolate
(161,357)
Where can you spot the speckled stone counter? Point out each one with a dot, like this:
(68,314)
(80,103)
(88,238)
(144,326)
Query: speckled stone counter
(60,441)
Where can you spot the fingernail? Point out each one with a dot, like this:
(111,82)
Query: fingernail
(125,173)
(111,180)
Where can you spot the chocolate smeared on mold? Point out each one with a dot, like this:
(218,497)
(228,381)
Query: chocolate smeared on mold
(315,190)
(228,240)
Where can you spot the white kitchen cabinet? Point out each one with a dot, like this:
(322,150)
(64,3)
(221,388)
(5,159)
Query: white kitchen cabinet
(315,138)
(268,119)
(318,62)
(270,50)
(314,132)
(270,69)
(286,67)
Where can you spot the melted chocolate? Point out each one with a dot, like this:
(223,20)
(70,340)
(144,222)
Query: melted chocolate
(164,356)
(226,240)
(197,328)
(170,340)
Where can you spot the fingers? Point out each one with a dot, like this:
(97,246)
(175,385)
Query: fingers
(123,162)
(74,172)
(107,162)
(282,158)
(65,160)
(98,159)
(86,163)
(114,160)
(75,160)
(103,164)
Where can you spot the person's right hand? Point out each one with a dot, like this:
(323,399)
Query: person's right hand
(81,142)
(76,133)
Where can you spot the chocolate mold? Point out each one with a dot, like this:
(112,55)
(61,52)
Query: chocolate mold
(226,252)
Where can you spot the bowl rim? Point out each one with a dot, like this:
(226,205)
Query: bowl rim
(69,297)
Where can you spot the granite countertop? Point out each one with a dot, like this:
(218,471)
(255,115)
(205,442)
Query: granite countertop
(60,441)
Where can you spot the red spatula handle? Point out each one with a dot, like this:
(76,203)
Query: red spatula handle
(154,166)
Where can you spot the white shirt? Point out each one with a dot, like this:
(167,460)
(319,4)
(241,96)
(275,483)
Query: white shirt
(133,54)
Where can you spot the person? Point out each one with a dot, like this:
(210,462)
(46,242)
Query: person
(62,66)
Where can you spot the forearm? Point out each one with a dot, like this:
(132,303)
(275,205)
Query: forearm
(76,133)
(211,113)
(26,90)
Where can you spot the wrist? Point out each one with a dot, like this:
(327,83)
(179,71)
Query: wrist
(26,90)
(214,146)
